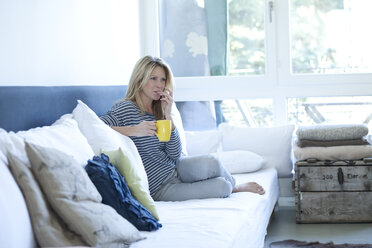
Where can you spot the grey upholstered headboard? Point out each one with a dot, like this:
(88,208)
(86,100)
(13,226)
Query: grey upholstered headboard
(25,107)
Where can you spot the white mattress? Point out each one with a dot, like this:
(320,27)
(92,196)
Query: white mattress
(237,221)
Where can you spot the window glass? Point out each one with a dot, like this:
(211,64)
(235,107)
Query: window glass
(212,37)
(248,112)
(330,36)
(246,37)
(206,115)
(330,110)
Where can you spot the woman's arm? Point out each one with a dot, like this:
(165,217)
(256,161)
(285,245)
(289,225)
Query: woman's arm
(127,131)
(145,128)
(169,117)
(174,147)
(167,102)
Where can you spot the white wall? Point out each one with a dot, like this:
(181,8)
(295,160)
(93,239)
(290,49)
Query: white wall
(68,42)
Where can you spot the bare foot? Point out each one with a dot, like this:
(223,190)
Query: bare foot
(249,187)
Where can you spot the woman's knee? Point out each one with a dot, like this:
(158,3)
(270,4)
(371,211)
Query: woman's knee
(212,188)
(223,187)
(216,169)
(201,167)
(213,163)
(197,159)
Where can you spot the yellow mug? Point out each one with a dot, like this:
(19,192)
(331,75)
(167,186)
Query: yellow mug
(163,130)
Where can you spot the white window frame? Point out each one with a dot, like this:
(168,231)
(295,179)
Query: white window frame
(278,83)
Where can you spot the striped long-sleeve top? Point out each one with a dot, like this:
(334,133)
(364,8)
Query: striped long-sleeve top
(159,158)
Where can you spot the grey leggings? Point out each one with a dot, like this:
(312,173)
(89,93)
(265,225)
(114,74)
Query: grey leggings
(196,177)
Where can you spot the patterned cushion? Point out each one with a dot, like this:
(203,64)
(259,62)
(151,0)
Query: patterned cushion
(76,200)
(50,230)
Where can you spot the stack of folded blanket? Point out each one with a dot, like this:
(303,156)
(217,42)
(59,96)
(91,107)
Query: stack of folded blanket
(332,142)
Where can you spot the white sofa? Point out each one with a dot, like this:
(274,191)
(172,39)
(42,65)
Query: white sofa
(240,220)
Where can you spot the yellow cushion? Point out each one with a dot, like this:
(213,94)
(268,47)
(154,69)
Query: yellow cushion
(135,176)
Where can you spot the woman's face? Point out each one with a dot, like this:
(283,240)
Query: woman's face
(155,84)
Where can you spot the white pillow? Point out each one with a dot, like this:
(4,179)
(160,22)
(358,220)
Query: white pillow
(5,144)
(272,143)
(15,224)
(202,142)
(3,158)
(176,117)
(240,161)
(102,137)
(99,135)
(64,136)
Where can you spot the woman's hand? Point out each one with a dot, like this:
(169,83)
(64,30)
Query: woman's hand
(166,98)
(145,128)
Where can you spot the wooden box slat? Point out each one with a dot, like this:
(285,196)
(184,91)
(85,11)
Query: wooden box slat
(334,207)
(327,178)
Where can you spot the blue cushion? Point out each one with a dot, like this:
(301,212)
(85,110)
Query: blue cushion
(115,192)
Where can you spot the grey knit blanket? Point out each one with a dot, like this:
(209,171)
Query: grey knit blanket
(327,143)
(332,132)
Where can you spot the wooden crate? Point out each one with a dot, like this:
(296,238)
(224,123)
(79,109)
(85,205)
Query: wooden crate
(333,191)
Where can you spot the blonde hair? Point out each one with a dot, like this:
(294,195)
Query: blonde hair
(140,75)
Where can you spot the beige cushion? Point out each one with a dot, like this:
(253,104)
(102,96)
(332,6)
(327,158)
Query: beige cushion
(49,229)
(76,200)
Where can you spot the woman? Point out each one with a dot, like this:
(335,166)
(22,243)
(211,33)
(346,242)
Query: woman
(172,177)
